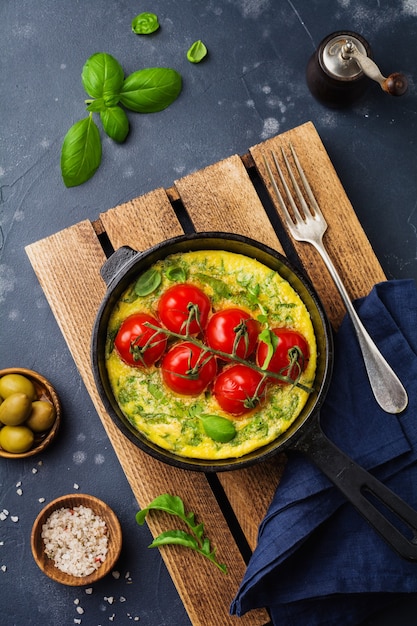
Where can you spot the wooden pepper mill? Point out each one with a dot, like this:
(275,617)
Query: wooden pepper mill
(338,71)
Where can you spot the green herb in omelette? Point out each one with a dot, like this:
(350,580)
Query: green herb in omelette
(195,541)
(145,91)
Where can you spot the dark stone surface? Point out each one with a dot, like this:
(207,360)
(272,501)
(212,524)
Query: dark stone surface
(250,87)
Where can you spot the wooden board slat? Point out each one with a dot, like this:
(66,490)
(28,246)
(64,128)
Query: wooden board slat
(142,222)
(221,197)
(74,289)
(345,239)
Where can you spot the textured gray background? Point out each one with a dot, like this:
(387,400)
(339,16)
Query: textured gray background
(251,86)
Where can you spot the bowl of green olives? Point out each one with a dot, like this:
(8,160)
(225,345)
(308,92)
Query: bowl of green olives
(30,413)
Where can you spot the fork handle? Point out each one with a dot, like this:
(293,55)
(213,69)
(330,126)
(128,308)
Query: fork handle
(388,390)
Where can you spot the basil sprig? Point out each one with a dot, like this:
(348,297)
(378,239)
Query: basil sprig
(144,91)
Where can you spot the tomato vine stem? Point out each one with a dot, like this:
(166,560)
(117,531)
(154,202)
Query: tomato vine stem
(226,356)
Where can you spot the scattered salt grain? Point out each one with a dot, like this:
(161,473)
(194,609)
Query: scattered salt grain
(41,500)
(14,518)
(116,574)
(110,599)
(19,483)
(3,568)
(89,591)
(80,610)
(76,486)
(19,492)
(34,470)
(4,514)
(77,601)
(76,540)
(77,620)
(122,599)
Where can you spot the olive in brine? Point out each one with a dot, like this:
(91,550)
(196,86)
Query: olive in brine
(42,416)
(16,383)
(15,409)
(16,439)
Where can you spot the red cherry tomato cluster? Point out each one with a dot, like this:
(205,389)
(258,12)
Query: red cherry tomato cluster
(189,369)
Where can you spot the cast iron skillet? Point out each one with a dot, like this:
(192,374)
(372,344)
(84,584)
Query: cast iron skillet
(305,434)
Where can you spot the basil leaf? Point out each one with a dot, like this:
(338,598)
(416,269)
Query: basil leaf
(150,90)
(176,274)
(148,282)
(196,52)
(81,152)
(102,75)
(115,123)
(218,428)
(145,24)
(95,106)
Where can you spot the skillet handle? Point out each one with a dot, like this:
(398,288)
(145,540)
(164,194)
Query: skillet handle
(116,262)
(367,494)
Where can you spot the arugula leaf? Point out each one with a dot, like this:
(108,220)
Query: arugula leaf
(196,52)
(181,538)
(151,89)
(145,23)
(175,506)
(115,123)
(102,75)
(81,152)
(219,287)
(271,340)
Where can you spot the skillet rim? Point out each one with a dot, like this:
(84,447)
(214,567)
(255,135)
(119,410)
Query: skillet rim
(122,274)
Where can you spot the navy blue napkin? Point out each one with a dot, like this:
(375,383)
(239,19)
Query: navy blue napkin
(317,561)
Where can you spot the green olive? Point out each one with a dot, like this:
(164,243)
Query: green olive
(42,416)
(16,439)
(15,409)
(16,383)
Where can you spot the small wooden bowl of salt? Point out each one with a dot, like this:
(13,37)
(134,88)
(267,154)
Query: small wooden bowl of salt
(76,539)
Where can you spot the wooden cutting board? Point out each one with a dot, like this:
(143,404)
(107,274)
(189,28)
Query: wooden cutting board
(224,197)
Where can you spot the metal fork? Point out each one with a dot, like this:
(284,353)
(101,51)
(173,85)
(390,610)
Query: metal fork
(309,225)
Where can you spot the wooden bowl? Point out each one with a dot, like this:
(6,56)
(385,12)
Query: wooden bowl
(114,534)
(45,391)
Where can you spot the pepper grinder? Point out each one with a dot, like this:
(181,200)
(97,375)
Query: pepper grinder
(338,71)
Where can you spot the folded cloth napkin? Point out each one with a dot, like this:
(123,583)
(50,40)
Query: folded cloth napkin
(317,561)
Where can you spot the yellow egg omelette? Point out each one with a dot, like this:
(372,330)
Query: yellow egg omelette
(176,422)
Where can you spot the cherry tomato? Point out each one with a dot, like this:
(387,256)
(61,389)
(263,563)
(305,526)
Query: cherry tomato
(290,356)
(137,344)
(188,369)
(233,331)
(239,389)
(184,309)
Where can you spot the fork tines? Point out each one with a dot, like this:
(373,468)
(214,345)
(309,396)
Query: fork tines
(306,210)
